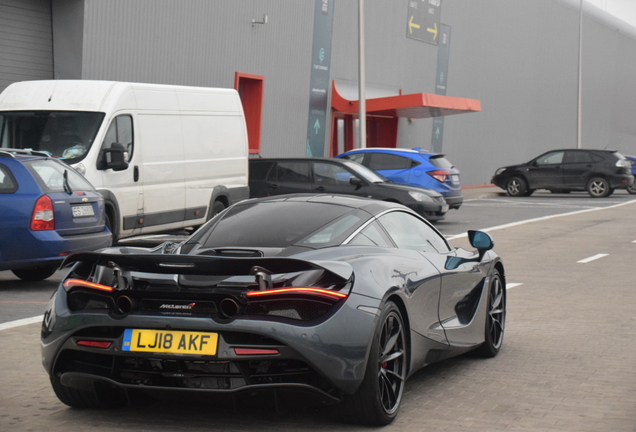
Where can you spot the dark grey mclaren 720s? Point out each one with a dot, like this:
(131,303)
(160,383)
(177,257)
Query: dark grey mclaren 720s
(339,296)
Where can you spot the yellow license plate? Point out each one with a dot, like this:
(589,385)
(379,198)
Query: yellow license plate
(174,342)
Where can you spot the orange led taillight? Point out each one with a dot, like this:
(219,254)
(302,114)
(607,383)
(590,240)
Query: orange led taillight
(79,283)
(298,290)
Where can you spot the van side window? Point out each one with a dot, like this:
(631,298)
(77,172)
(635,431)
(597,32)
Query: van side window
(120,131)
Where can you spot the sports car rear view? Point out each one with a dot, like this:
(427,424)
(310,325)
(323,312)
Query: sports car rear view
(339,296)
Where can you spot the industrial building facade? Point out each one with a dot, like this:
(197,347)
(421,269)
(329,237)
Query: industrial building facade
(508,68)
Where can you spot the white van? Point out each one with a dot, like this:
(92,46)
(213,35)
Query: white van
(163,156)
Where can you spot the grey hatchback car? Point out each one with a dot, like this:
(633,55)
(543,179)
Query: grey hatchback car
(270,177)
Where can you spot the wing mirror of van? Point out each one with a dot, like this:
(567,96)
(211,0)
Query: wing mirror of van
(114,157)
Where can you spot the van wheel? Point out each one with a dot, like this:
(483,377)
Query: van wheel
(35,273)
(217,208)
(110,224)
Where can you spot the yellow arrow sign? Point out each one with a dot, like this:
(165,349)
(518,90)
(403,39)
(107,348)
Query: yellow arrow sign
(432,30)
(412,25)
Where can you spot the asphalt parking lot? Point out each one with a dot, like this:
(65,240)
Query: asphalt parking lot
(568,362)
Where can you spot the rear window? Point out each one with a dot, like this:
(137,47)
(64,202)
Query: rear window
(281,224)
(441,162)
(50,174)
(7,181)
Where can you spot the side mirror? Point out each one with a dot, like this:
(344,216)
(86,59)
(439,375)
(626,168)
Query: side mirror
(356,181)
(115,158)
(480,240)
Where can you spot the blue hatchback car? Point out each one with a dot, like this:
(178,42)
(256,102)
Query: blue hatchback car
(413,167)
(47,211)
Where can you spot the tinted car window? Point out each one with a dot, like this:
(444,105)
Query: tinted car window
(383,161)
(372,235)
(7,182)
(356,157)
(333,231)
(409,232)
(331,174)
(277,224)
(441,162)
(550,158)
(291,172)
(50,175)
(577,157)
(366,173)
(259,170)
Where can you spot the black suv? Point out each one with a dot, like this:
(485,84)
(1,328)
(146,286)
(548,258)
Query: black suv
(598,172)
(338,176)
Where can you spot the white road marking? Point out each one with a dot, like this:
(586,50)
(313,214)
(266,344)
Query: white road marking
(21,322)
(512,285)
(592,258)
(523,222)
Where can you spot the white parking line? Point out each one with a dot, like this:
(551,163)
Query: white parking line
(592,258)
(523,222)
(21,322)
(512,285)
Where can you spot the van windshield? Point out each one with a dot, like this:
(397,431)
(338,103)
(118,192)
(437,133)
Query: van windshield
(66,135)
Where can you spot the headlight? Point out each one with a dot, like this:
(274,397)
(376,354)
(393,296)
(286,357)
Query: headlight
(499,171)
(419,196)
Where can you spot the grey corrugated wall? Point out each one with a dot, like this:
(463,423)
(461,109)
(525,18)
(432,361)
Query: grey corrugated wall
(26,50)
(203,43)
(518,57)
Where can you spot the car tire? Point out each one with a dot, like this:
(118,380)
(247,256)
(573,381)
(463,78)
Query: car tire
(87,399)
(516,186)
(377,401)
(598,187)
(495,317)
(631,188)
(35,274)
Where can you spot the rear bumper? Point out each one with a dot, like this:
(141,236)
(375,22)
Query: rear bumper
(44,248)
(621,181)
(315,358)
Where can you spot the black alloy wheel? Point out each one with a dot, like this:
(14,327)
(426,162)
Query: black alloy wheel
(598,187)
(516,186)
(495,317)
(378,399)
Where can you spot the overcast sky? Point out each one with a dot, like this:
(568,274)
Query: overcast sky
(623,9)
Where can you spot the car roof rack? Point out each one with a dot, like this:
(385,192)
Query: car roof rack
(11,152)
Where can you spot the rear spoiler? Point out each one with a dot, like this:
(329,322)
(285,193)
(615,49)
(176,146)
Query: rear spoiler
(206,265)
